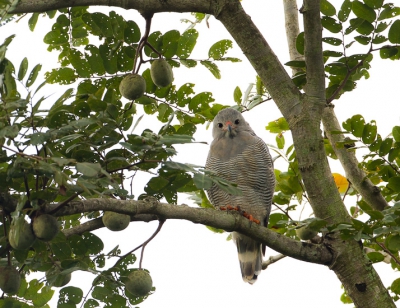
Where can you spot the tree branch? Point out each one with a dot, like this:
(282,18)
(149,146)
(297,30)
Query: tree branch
(370,193)
(272,260)
(254,46)
(228,221)
(292,31)
(97,223)
(143,6)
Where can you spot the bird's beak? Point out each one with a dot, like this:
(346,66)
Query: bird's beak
(229,128)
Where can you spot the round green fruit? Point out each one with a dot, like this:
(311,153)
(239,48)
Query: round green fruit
(45,227)
(21,236)
(55,278)
(10,279)
(161,73)
(116,221)
(139,283)
(305,233)
(132,86)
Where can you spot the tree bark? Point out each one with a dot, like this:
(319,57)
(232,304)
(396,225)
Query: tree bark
(226,220)
(292,31)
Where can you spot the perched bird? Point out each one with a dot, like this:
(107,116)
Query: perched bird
(239,156)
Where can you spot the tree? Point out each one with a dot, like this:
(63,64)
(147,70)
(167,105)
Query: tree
(72,161)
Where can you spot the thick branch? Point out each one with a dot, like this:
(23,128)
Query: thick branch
(315,87)
(292,31)
(370,193)
(143,6)
(229,221)
(97,223)
(254,46)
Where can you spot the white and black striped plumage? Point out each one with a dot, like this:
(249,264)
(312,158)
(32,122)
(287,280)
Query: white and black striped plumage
(239,156)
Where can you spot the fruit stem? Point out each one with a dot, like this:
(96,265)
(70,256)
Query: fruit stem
(143,42)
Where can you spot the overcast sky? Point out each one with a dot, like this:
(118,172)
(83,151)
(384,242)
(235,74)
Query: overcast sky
(191,266)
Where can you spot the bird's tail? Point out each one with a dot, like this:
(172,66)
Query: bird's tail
(250,257)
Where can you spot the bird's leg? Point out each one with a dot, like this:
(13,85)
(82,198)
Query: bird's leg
(243,213)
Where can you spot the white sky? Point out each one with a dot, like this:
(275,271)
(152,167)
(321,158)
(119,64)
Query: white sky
(191,266)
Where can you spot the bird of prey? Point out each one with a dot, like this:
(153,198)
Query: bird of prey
(239,156)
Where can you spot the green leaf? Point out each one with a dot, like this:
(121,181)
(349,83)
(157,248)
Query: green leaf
(300,43)
(331,24)
(396,133)
(103,22)
(374,4)
(379,39)
(70,295)
(117,25)
(327,8)
(219,49)
(80,63)
(23,68)
(389,12)
(188,63)
(364,40)
(212,67)
(88,169)
(296,64)
(94,59)
(43,297)
(382,27)
(170,43)
(164,112)
(385,146)
(375,256)
(33,75)
(175,139)
(186,43)
(344,11)
(237,95)
(357,125)
(280,141)
(394,183)
(369,133)
(365,28)
(56,37)
(202,181)
(131,32)
(278,126)
(64,75)
(110,59)
(395,286)
(363,11)
(331,53)
(332,41)
(394,32)
(393,242)
(388,52)
(32,21)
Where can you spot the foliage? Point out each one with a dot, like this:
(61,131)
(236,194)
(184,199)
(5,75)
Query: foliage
(83,146)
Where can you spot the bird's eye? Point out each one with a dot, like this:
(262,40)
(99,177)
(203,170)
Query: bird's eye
(237,121)
(220,125)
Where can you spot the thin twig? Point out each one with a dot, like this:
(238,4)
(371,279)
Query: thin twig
(283,211)
(121,258)
(388,252)
(65,202)
(271,260)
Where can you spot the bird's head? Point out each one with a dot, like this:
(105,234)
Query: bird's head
(228,123)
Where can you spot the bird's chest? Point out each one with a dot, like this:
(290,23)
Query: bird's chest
(229,149)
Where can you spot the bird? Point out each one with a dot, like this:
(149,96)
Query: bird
(239,156)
